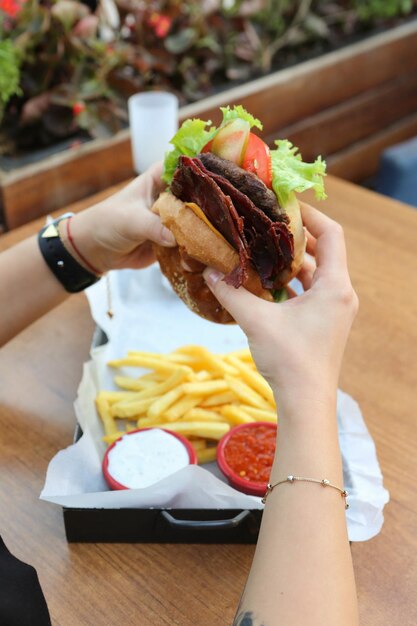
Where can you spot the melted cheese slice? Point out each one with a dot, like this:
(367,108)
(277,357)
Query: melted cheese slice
(196,209)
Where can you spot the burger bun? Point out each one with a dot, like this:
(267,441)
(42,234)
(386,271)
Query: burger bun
(198,246)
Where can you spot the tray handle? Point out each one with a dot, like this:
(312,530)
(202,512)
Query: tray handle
(233,522)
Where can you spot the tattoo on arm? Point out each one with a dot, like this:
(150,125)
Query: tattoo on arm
(246,618)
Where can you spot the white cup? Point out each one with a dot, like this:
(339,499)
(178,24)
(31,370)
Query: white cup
(153,118)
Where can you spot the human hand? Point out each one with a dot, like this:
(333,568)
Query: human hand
(298,345)
(117,233)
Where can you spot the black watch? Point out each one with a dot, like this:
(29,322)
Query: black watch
(73,276)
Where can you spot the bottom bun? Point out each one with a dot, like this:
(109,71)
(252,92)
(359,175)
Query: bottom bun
(191,286)
(198,246)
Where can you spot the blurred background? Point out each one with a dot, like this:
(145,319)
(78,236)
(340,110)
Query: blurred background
(337,77)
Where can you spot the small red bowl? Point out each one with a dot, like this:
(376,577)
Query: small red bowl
(114,484)
(247,486)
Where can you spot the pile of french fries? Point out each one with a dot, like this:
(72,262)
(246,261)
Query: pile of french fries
(190,391)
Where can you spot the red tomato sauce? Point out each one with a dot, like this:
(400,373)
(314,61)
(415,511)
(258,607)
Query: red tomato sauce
(250,453)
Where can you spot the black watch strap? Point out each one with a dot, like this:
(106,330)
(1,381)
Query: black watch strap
(73,276)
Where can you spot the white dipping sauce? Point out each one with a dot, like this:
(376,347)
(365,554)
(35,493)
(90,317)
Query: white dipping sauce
(142,459)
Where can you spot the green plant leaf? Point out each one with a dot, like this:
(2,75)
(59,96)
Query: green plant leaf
(290,174)
(181,41)
(9,72)
(379,9)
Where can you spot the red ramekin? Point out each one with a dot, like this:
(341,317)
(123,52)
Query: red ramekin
(113,484)
(247,486)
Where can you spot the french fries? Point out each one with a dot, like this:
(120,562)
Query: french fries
(252,378)
(203,415)
(131,408)
(246,394)
(180,408)
(227,397)
(206,430)
(206,388)
(150,362)
(132,384)
(198,444)
(103,409)
(235,415)
(163,403)
(207,455)
(260,415)
(190,391)
(117,396)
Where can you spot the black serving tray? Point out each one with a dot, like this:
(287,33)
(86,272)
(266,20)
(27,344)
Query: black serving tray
(161,525)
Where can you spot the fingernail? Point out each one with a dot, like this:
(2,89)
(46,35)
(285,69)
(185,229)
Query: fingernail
(212,276)
(167,237)
(185,266)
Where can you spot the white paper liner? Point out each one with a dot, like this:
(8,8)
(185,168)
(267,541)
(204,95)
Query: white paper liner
(148,316)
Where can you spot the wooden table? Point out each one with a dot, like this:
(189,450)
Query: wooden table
(189,585)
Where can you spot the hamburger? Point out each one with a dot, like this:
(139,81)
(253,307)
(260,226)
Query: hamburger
(230,203)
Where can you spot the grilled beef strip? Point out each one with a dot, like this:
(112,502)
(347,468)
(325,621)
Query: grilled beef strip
(193,183)
(266,243)
(248,183)
(270,243)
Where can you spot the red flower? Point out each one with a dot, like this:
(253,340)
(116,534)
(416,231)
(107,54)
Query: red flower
(77,108)
(11,7)
(161,24)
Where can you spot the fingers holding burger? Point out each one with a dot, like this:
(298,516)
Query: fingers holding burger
(231,205)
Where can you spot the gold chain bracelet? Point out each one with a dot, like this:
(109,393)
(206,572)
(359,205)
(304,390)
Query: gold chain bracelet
(291,479)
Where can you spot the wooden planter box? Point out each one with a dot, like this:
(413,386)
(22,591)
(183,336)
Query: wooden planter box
(347,105)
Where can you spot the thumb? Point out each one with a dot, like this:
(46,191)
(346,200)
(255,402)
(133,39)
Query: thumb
(150,228)
(240,303)
(150,183)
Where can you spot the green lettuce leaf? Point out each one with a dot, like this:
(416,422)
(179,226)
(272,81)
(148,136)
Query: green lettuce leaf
(189,141)
(279,295)
(290,173)
(241,113)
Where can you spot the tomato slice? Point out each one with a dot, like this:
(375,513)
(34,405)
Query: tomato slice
(257,159)
(207,147)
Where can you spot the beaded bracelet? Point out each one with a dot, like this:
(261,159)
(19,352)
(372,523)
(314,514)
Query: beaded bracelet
(291,479)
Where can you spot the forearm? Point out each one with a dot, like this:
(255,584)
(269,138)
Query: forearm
(28,289)
(302,571)
(114,234)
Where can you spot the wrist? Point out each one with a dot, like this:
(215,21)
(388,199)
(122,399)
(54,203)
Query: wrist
(61,260)
(77,235)
(307,439)
(302,401)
